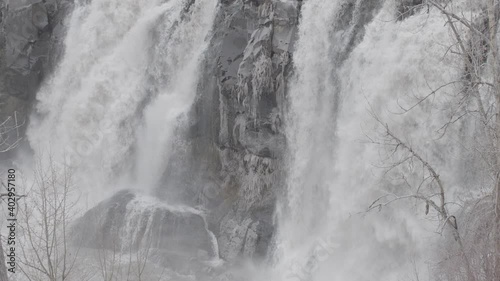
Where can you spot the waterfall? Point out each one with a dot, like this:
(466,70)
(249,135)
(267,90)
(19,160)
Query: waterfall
(311,131)
(178,53)
(275,129)
(334,170)
(113,110)
(128,75)
(144,229)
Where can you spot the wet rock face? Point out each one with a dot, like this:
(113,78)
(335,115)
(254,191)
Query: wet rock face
(127,222)
(31,34)
(238,151)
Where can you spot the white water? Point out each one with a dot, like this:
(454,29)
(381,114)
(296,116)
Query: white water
(114,49)
(334,172)
(178,57)
(140,213)
(128,75)
(126,81)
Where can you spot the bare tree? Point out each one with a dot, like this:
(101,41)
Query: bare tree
(429,189)
(109,262)
(44,221)
(478,99)
(10,137)
(127,262)
(478,49)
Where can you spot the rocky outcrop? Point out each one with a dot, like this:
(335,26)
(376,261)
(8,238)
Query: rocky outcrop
(238,145)
(31,33)
(128,222)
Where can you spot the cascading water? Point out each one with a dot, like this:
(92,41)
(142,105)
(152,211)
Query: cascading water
(178,56)
(126,82)
(122,60)
(311,131)
(341,87)
(125,94)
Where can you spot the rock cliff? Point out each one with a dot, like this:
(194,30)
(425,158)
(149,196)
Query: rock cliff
(31,36)
(230,165)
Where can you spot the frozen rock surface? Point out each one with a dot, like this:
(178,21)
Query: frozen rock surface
(31,34)
(232,163)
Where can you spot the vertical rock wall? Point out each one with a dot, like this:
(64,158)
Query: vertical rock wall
(31,33)
(237,140)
